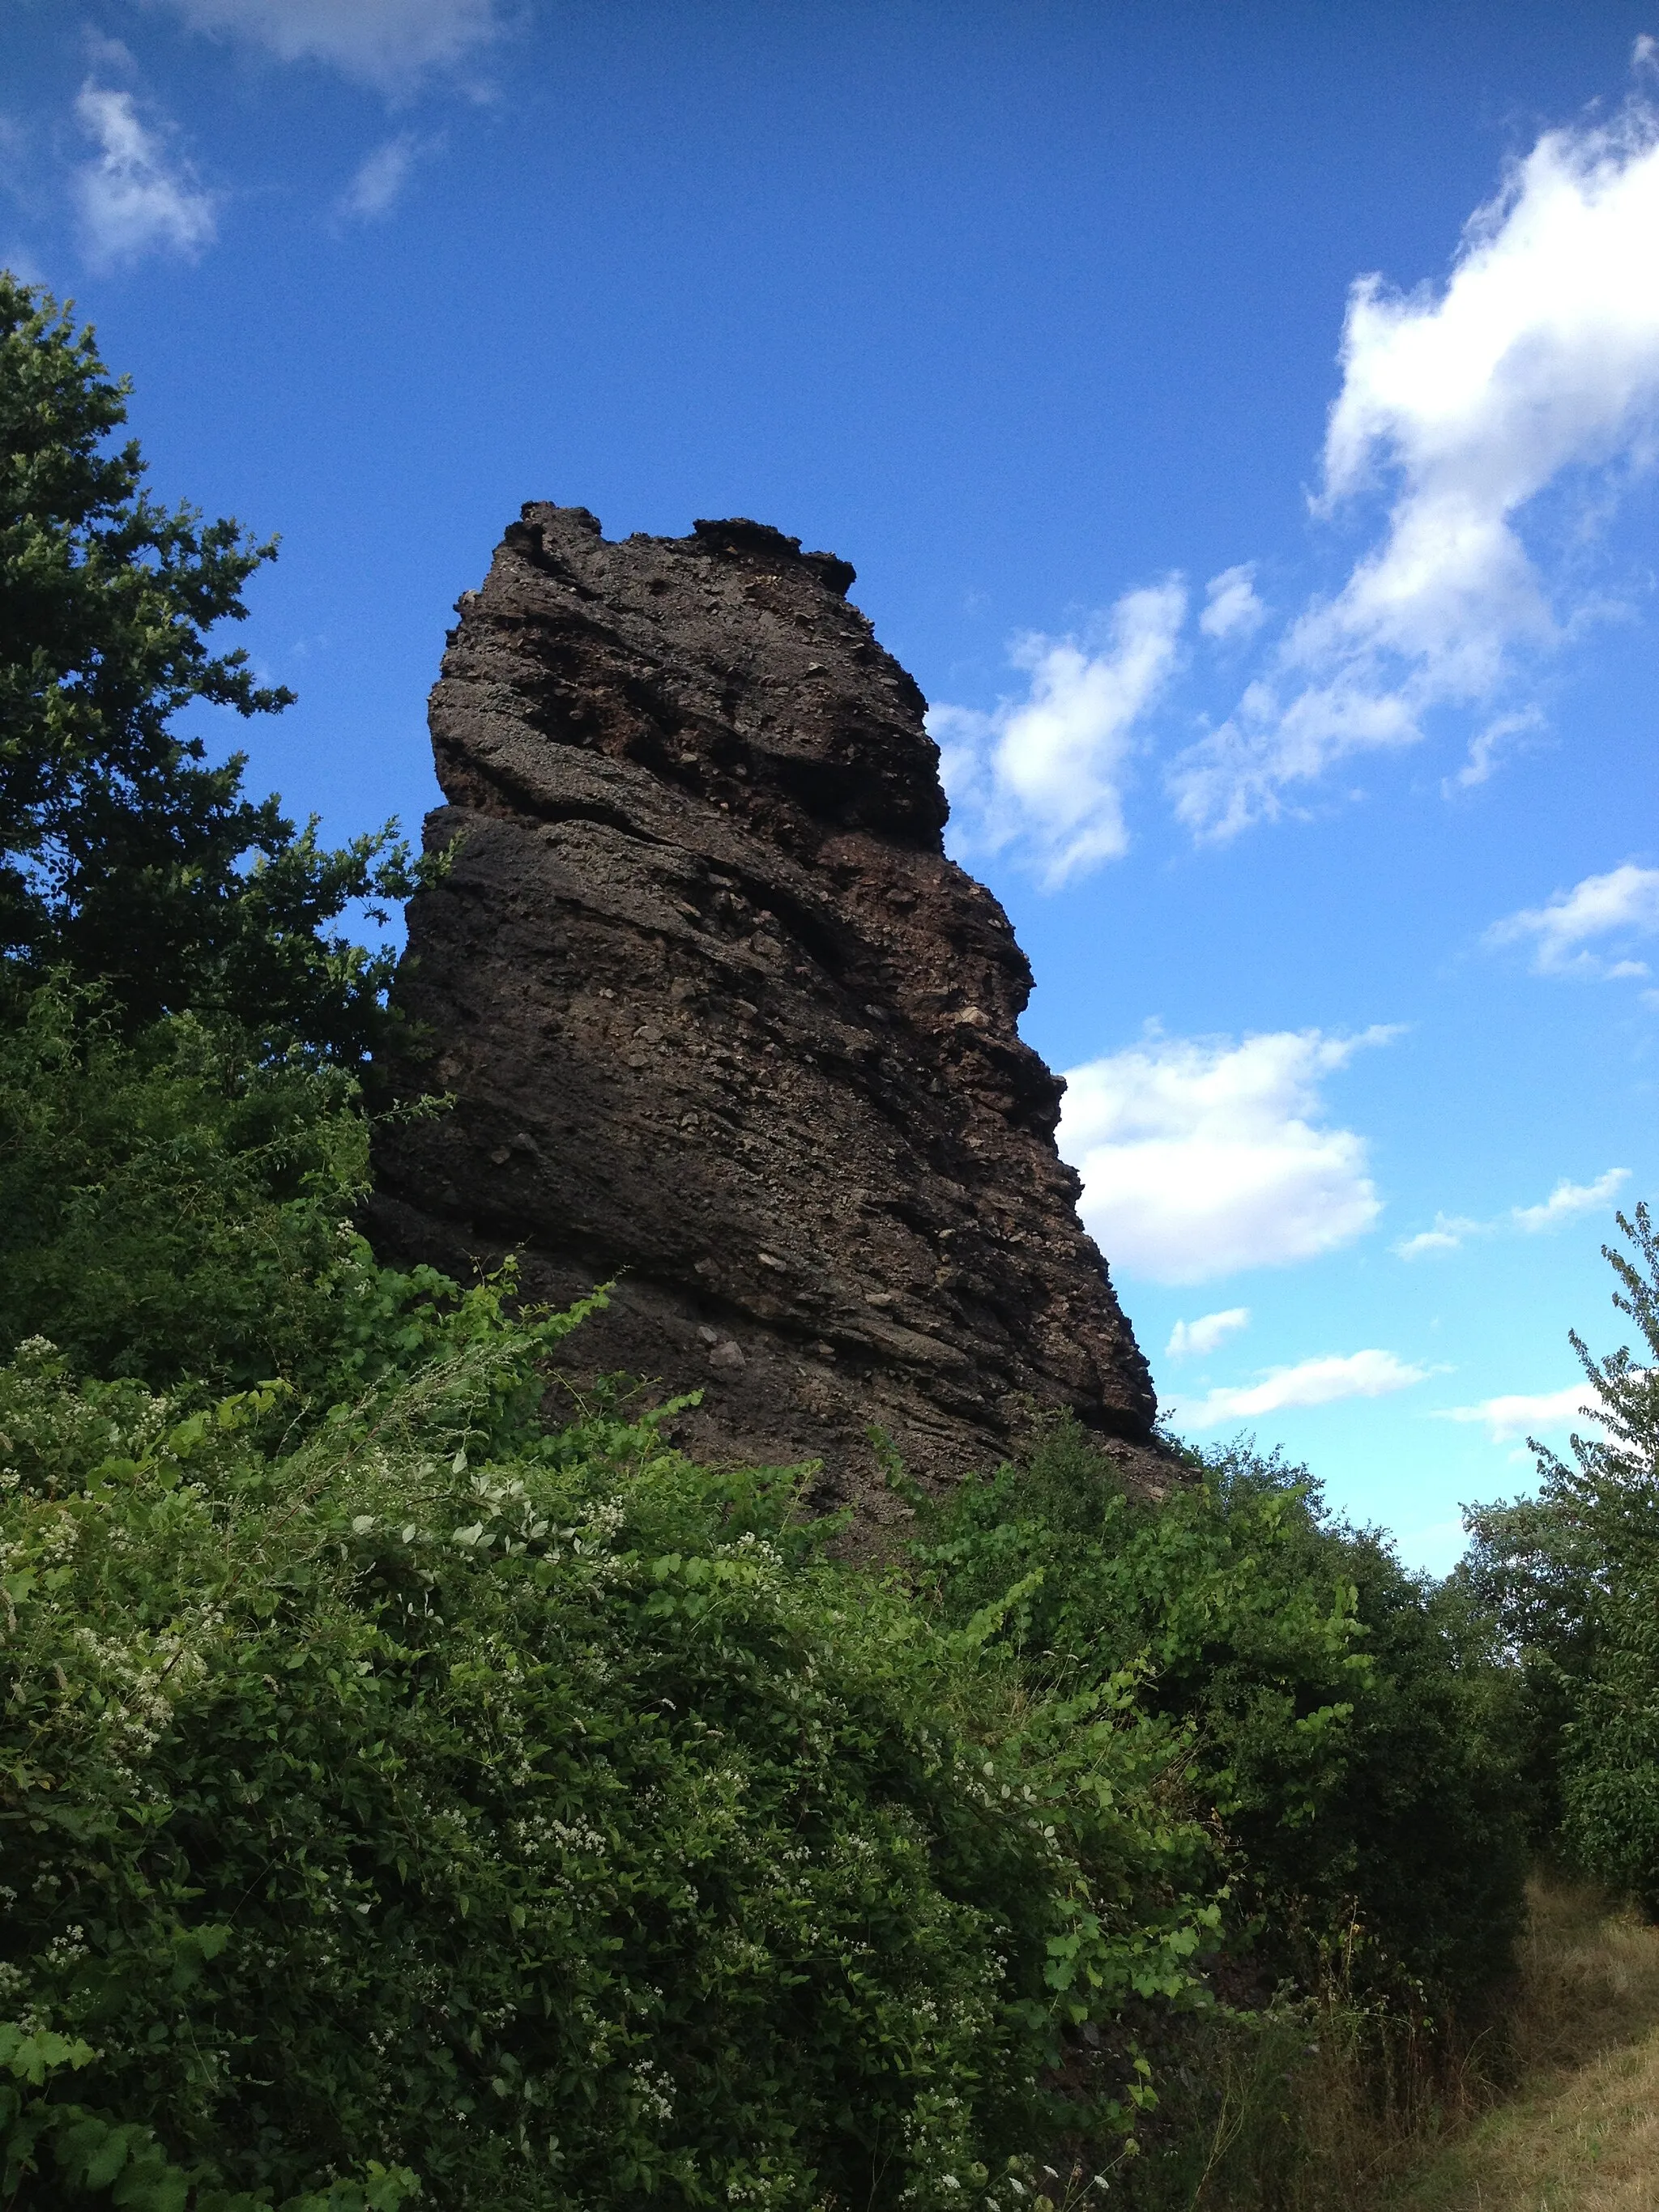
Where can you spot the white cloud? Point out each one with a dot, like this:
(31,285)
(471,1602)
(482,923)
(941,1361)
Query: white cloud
(1447,1235)
(1311,1382)
(132,197)
(1231,608)
(1198,1338)
(1044,774)
(1202,1157)
(113,55)
(1568,1201)
(1565,1203)
(1621,905)
(1490,746)
(1536,362)
(381,178)
(388,44)
(1521,1414)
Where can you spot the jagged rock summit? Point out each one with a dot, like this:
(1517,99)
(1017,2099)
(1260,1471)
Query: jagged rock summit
(723,1023)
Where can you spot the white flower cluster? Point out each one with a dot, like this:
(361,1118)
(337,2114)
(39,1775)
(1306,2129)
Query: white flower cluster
(654,2089)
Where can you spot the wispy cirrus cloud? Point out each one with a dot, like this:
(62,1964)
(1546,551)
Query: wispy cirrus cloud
(1534,368)
(1202,1156)
(380,180)
(1588,932)
(389,45)
(1497,742)
(1321,1381)
(136,196)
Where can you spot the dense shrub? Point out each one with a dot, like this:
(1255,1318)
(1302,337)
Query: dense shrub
(1351,1741)
(171,1206)
(534,1814)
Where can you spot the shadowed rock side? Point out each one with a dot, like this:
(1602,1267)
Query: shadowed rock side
(722,1021)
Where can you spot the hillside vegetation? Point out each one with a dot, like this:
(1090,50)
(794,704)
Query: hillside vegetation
(419,1785)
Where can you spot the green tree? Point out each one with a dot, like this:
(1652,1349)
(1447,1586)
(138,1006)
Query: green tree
(125,856)
(1351,1741)
(1573,1576)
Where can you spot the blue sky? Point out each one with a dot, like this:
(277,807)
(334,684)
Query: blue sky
(1242,420)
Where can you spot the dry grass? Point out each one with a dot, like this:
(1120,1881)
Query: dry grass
(1580,2130)
(1322,2108)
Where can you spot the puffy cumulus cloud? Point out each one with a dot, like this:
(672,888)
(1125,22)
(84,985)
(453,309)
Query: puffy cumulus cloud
(387,43)
(1231,608)
(379,183)
(1535,363)
(1044,774)
(134,197)
(1311,1382)
(1522,1413)
(1202,1156)
(1197,1339)
(1567,935)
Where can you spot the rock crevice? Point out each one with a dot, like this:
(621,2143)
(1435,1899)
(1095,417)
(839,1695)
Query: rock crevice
(724,1023)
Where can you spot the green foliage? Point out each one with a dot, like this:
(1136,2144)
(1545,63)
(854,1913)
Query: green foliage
(177,1208)
(1572,1577)
(125,856)
(534,1813)
(91,2156)
(1351,1741)
(175,1205)
(402,1797)
(387,1778)
(1534,1574)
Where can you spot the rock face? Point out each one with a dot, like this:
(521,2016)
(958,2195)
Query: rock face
(724,1023)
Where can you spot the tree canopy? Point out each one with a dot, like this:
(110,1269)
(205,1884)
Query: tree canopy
(127,857)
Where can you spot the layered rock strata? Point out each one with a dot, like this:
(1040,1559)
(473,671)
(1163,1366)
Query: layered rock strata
(723,1024)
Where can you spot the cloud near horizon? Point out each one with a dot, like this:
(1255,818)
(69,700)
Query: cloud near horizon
(1534,367)
(133,197)
(1044,774)
(388,45)
(1320,1382)
(1203,1156)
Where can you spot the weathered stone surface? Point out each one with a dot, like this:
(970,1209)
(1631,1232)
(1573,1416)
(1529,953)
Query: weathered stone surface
(724,1023)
